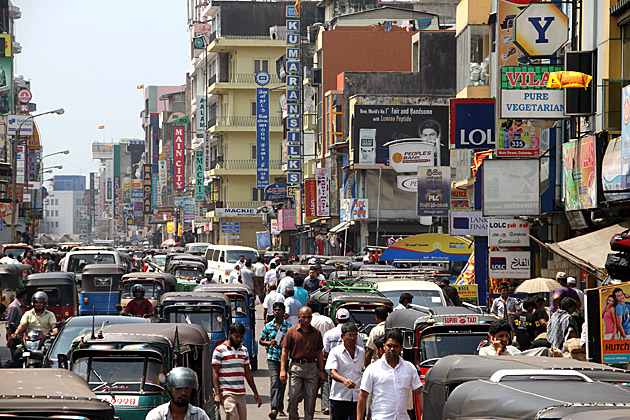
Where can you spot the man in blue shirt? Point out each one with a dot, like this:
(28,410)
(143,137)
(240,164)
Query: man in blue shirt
(300,292)
(271,337)
(312,282)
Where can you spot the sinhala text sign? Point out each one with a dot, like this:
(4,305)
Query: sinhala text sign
(434,190)
(511,187)
(509,265)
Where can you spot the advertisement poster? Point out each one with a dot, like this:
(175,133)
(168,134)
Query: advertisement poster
(473,124)
(407,155)
(614,301)
(509,265)
(511,187)
(323,192)
(6,81)
(310,199)
(612,174)
(286,219)
(508,233)
(579,175)
(179,158)
(625,138)
(348,185)
(434,190)
(429,123)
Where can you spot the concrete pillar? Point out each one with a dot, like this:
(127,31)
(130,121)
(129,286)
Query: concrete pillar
(363,236)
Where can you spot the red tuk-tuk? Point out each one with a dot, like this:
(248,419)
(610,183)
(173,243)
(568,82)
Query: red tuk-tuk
(61,288)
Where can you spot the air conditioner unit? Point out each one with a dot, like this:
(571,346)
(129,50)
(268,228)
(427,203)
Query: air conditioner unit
(15,12)
(274,33)
(17,48)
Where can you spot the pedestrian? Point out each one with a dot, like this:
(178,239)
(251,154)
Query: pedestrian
(241,261)
(371,354)
(451,294)
(345,366)
(312,282)
(500,333)
(259,276)
(281,273)
(230,369)
(404,300)
(319,321)
(30,260)
(572,284)
(300,292)
(505,306)
(180,384)
(540,315)
(389,380)
(320,274)
(293,306)
(247,275)
(303,344)
(564,291)
(525,325)
(270,276)
(271,338)
(272,297)
(14,315)
(286,281)
(562,326)
(235,275)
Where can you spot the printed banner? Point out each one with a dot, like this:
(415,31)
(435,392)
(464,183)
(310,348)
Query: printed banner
(434,190)
(262,137)
(323,192)
(614,303)
(579,175)
(199,175)
(162,183)
(310,199)
(179,158)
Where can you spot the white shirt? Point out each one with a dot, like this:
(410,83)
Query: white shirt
(259,269)
(321,277)
(234,276)
(348,367)
(491,351)
(399,307)
(333,339)
(284,283)
(271,298)
(270,277)
(390,388)
(322,323)
(163,412)
(247,277)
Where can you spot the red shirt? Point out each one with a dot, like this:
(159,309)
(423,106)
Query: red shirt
(142,309)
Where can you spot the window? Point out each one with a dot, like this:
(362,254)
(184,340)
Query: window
(473,55)
(254,194)
(254,155)
(56,224)
(261,65)
(253,111)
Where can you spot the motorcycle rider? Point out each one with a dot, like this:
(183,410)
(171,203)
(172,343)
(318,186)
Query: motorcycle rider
(138,306)
(39,318)
(180,384)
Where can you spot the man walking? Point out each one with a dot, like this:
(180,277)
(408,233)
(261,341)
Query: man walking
(300,292)
(345,365)
(505,306)
(563,292)
(371,354)
(292,305)
(271,338)
(230,369)
(272,297)
(259,275)
(286,281)
(14,315)
(312,282)
(247,275)
(303,344)
(389,380)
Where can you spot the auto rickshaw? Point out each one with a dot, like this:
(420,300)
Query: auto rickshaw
(126,364)
(450,372)
(100,289)
(155,285)
(11,279)
(189,257)
(212,311)
(49,393)
(243,302)
(61,289)
(17,251)
(188,273)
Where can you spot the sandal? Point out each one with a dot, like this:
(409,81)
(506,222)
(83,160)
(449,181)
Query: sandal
(273,414)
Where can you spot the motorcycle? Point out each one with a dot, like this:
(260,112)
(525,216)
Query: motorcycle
(34,345)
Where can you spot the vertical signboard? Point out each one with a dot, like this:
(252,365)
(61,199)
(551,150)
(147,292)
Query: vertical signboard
(154,187)
(109,180)
(310,199)
(293,96)
(200,116)
(179,158)
(6,78)
(434,190)
(199,175)
(579,174)
(625,138)
(162,183)
(136,190)
(262,133)
(147,189)
(323,192)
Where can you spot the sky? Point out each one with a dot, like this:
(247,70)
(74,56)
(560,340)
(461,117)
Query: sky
(88,57)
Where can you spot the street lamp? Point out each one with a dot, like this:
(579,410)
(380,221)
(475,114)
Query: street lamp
(14,200)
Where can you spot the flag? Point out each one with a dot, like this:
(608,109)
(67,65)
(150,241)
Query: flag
(297,8)
(568,79)
(140,87)
(101,127)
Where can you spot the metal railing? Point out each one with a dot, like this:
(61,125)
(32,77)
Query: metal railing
(249,78)
(243,204)
(244,120)
(243,164)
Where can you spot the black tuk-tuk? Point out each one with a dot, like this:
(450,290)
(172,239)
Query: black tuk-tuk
(11,279)
(49,393)
(155,285)
(450,372)
(100,289)
(61,288)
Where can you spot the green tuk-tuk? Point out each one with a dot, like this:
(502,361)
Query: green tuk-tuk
(127,364)
(188,273)
(49,393)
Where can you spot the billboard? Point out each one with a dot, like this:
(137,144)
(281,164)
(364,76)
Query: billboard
(508,233)
(613,176)
(473,124)
(468,223)
(407,155)
(179,158)
(579,174)
(385,123)
(625,138)
(434,190)
(524,93)
(614,304)
(511,187)
(509,265)
(323,192)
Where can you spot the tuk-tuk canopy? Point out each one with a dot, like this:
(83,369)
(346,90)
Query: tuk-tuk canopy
(226,288)
(170,282)
(173,297)
(99,269)
(411,319)
(189,258)
(154,333)
(186,264)
(47,392)
(101,277)
(46,279)
(429,247)
(11,275)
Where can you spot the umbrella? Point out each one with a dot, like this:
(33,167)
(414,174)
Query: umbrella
(538,285)
(171,242)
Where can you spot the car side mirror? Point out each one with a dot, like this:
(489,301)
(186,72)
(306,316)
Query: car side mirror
(119,307)
(62,361)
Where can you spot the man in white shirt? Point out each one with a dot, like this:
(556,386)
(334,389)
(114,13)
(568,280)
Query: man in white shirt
(320,322)
(272,297)
(404,300)
(332,338)
(345,365)
(247,275)
(270,276)
(259,275)
(500,332)
(286,281)
(293,306)
(389,380)
(180,384)
(235,275)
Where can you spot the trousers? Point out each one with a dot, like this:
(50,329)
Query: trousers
(276,387)
(235,406)
(343,410)
(302,385)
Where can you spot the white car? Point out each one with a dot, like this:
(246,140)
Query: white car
(223,258)
(425,293)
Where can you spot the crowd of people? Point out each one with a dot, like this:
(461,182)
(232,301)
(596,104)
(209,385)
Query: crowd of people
(43,262)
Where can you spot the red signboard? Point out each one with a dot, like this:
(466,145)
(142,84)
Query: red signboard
(310,198)
(179,160)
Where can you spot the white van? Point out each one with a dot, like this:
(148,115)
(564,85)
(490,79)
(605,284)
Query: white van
(74,261)
(223,258)
(425,293)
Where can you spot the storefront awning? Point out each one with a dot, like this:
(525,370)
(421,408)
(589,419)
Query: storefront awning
(340,227)
(589,250)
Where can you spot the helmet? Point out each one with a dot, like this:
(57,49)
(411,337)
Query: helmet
(181,377)
(137,288)
(40,296)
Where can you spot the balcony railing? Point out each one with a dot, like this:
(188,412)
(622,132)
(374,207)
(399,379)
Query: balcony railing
(243,164)
(243,120)
(249,78)
(243,204)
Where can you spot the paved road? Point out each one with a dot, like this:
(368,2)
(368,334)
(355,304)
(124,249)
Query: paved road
(261,377)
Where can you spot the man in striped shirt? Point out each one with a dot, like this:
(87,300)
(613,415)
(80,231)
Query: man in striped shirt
(230,365)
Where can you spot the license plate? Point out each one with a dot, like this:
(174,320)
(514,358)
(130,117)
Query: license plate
(461,319)
(119,400)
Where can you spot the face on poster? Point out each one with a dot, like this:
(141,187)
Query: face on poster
(614,306)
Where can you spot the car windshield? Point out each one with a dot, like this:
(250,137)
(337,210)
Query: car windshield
(198,248)
(210,320)
(428,298)
(160,259)
(239,307)
(120,374)
(78,261)
(440,345)
(235,255)
(63,343)
(188,273)
(152,289)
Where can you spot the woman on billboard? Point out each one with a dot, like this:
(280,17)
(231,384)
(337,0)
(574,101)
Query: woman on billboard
(608,317)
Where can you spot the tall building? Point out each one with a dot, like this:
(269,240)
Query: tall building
(63,205)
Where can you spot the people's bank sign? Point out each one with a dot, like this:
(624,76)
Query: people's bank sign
(473,123)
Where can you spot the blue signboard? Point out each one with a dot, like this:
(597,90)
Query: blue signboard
(473,124)
(276,192)
(262,137)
